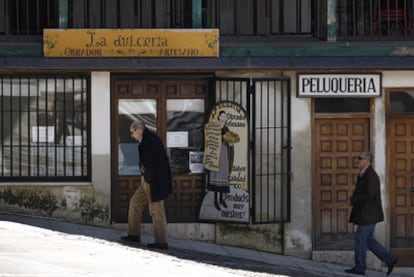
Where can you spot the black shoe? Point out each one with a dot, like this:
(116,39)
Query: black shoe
(353,271)
(391,266)
(162,246)
(129,238)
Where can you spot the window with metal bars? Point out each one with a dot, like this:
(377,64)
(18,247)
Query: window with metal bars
(130,14)
(374,18)
(234,18)
(28,17)
(44,128)
(259,17)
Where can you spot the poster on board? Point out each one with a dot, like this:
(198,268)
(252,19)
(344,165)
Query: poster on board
(226,141)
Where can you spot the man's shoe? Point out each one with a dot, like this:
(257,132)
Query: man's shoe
(129,238)
(162,246)
(353,271)
(391,266)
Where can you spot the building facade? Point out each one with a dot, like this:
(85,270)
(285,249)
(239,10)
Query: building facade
(320,81)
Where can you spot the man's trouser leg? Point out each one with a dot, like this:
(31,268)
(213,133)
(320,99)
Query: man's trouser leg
(360,246)
(136,206)
(157,213)
(379,250)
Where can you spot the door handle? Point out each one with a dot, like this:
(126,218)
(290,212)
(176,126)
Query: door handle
(412,190)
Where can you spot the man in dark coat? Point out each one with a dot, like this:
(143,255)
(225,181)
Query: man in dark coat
(156,185)
(366,212)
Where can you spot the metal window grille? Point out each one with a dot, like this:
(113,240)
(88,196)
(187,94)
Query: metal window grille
(268,104)
(259,17)
(130,14)
(372,18)
(28,17)
(44,123)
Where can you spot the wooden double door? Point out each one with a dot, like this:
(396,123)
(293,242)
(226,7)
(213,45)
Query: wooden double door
(337,143)
(175,108)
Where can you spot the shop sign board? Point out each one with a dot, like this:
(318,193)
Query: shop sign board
(339,85)
(226,161)
(97,43)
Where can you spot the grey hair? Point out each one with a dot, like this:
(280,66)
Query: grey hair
(368,156)
(137,124)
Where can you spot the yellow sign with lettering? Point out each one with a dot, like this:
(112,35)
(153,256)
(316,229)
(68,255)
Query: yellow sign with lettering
(87,43)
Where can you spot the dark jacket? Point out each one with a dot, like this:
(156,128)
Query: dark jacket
(154,160)
(366,199)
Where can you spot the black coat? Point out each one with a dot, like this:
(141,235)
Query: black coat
(154,160)
(366,199)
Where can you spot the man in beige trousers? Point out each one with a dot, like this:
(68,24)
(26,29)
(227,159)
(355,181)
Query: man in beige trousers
(155,186)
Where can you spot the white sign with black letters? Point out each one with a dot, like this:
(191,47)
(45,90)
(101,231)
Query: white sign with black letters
(339,85)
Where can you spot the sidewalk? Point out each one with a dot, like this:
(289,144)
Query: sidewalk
(203,251)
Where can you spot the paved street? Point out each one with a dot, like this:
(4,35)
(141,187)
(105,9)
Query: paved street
(34,247)
(51,253)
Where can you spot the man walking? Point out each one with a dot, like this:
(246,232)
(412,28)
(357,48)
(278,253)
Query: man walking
(155,186)
(366,212)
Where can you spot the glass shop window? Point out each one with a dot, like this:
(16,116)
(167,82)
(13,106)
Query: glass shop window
(402,102)
(129,111)
(185,121)
(44,123)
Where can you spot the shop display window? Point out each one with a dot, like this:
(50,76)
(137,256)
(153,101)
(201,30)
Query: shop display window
(44,128)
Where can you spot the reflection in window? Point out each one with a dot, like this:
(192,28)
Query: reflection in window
(44,128)
(130,110)
(401,102)
(185,119)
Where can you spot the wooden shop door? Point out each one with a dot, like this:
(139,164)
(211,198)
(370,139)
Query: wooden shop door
(176,109)
(337,144)
(400,185)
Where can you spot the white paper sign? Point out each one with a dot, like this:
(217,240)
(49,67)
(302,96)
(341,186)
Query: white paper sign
(177,139)
(43,133)
(74,140)
(196,161)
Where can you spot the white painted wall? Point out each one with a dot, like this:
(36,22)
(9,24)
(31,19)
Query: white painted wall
(298,235)
(101,112)
(101,131)
(380,161)
(394,79)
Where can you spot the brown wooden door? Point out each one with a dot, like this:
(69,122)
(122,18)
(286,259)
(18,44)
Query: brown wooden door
(337,144)
(173,108)
(401,187)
